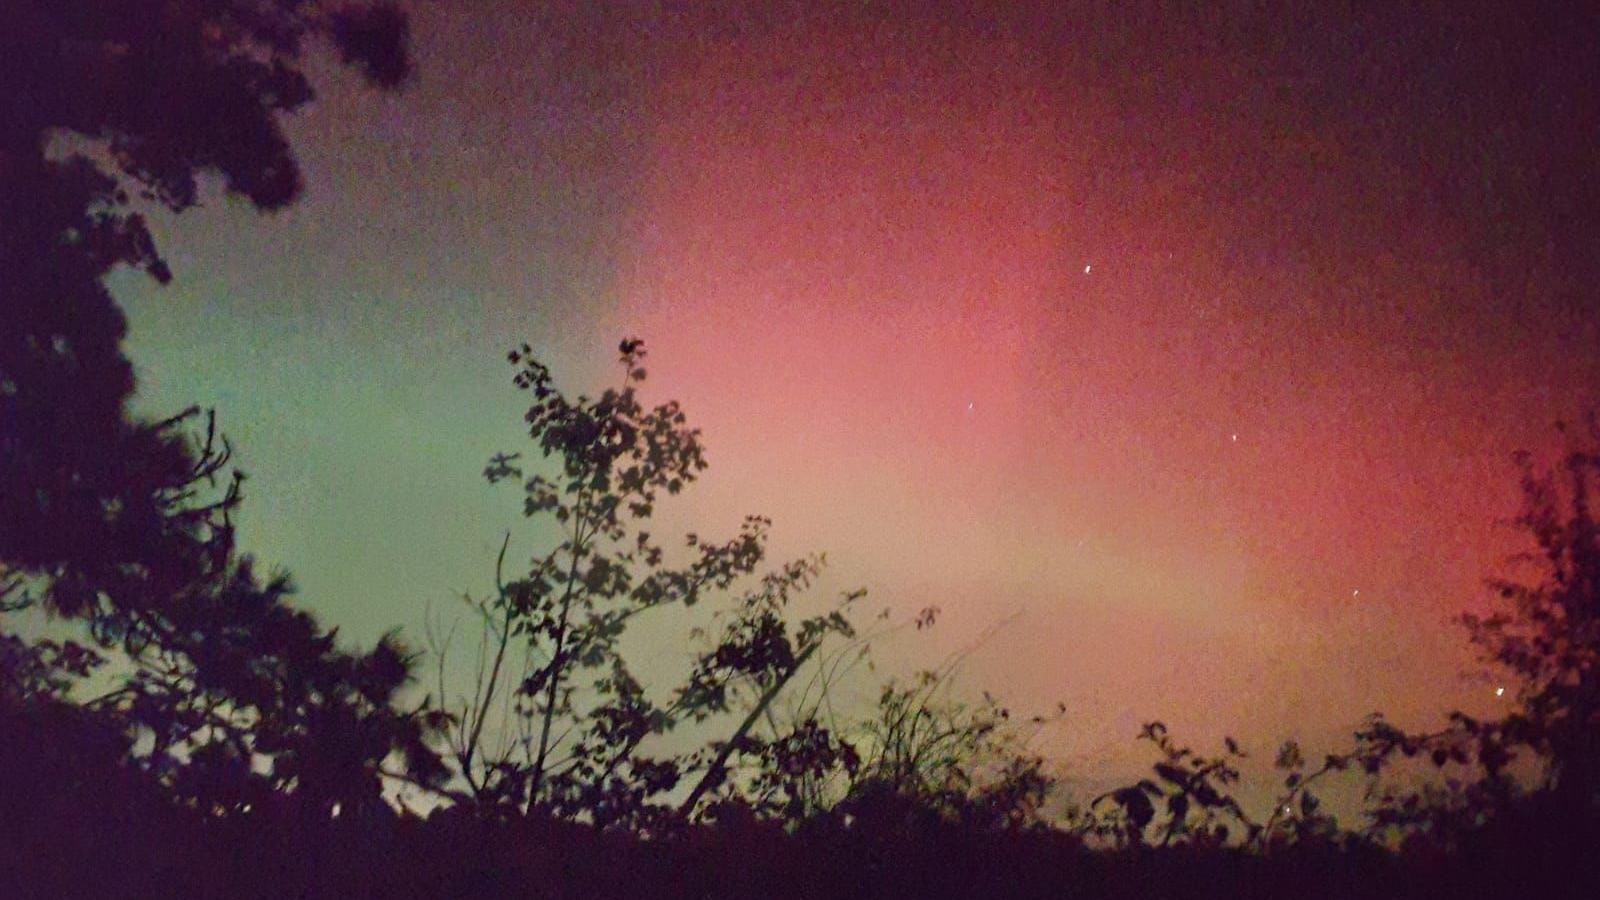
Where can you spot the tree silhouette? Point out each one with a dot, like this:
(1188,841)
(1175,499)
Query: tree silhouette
(1547,635)
(110,109)
(579,721)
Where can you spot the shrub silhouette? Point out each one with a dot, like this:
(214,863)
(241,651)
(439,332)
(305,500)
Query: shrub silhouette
(926,755)
(1192,792)
(582,722)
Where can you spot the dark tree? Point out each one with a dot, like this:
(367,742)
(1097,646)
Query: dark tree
(573,728)
(111,107)
(1547,633)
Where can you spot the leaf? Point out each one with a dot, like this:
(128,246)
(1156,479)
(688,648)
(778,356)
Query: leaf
(1178,805)
(1136,805)
(1172,774)
(1309,804)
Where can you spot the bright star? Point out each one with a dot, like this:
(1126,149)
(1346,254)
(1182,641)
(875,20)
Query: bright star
(1499,692)
(1086,269)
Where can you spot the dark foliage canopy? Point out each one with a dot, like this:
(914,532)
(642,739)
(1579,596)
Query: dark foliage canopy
(113,108)
(110,107)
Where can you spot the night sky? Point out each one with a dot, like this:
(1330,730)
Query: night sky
(1190,349)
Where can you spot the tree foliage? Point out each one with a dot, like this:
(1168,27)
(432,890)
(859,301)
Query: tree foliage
(1547,633)
(1190,799)
(223,691)
(110,109)
(577,740)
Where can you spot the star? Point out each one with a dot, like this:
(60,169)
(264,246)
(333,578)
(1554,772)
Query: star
(1236,438)
(1499,692)
(1086,269)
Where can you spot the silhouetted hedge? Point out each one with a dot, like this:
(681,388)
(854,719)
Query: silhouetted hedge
(78,824)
